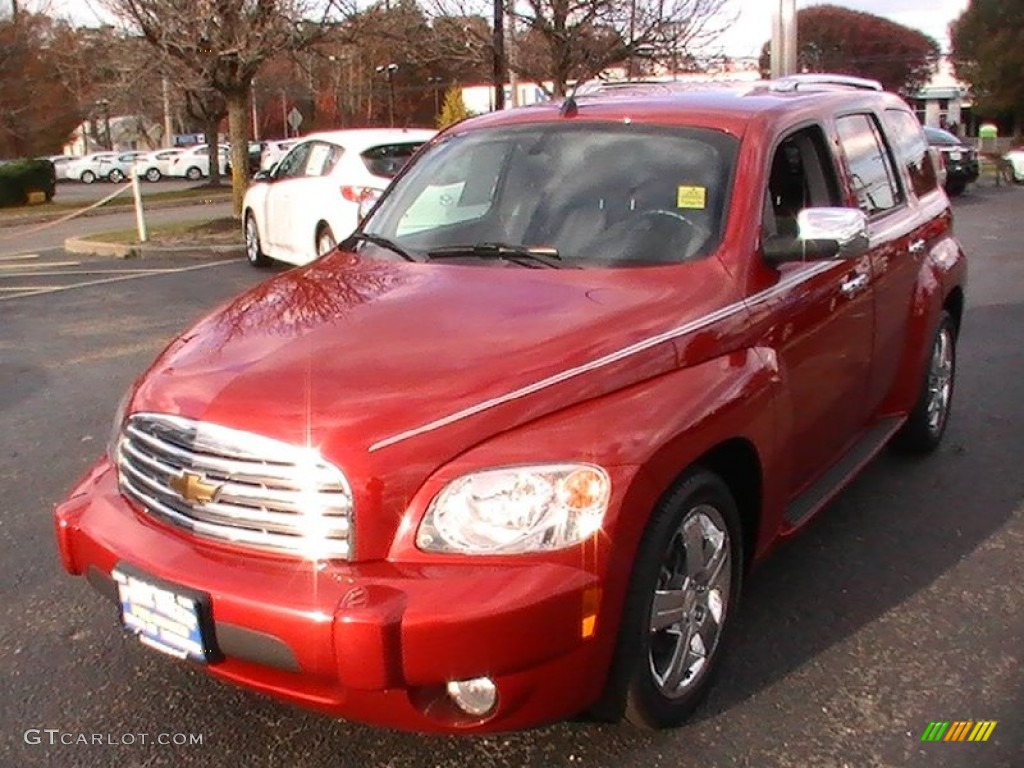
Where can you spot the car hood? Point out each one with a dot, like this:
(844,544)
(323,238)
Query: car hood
(359,356)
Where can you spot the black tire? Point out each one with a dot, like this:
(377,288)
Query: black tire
(325,241)
(115,176)
(923,430)
(193,174)
(634,689)
(956,188)
(253,250)
(87,177)
(153,175)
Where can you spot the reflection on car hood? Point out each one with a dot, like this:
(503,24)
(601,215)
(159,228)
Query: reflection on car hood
(358,351)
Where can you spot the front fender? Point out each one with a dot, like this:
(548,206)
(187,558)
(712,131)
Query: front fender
(645,435)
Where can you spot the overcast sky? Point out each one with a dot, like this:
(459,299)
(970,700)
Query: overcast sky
(745,38)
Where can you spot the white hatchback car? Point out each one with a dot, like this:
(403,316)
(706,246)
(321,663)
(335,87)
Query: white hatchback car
(153,166)
(313,198)
(194,163)
(94,167)
(1015,162)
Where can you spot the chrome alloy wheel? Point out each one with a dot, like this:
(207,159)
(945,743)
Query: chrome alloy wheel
(940,380)
(690,599)
(252,240)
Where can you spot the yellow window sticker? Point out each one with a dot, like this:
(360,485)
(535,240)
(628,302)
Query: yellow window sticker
(692,197)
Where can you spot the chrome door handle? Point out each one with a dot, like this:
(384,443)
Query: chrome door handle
(917,247)
(854,285)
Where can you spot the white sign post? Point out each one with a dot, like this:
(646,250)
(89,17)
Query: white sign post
(295,120)
(140,218)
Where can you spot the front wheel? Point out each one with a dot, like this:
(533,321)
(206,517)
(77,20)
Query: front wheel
(683,592)
(116,176)
(253,249)
(88,177)
(923,430)
(193,174)
(153,175)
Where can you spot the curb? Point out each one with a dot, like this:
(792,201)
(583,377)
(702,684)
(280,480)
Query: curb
(22,221)
(88,247)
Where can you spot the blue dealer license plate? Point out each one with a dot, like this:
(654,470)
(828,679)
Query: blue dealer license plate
(168,618)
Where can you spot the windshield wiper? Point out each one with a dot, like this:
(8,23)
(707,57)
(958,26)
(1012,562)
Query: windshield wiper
(525,255)
(383,242)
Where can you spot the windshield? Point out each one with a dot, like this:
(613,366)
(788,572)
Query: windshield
(940,137)
(595,194)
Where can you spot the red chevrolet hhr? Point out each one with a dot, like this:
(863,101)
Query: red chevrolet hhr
(510,451)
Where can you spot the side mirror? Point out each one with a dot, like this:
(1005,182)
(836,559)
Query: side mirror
(825,234)
(262,176)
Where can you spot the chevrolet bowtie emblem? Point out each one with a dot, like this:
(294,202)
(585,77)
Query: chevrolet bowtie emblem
(193,488)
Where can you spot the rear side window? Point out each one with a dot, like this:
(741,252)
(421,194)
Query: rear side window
(388,159)
(911,147)
(871,170)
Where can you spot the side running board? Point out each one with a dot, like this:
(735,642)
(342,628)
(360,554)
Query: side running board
(840,473)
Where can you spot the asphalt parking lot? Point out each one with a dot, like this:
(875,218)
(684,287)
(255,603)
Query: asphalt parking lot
(903,604)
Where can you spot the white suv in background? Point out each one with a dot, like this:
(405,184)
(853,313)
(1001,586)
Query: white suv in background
(273,151)
(313,198)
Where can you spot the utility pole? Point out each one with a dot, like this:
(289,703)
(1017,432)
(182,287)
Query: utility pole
(498,62)
(255,113)
(14,10)
(168,128)
(784,39)
(511,48)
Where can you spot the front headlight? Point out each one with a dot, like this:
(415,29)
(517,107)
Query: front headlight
(115,429)
(516,509)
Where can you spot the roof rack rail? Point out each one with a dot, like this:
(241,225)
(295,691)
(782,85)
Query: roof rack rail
(796,82)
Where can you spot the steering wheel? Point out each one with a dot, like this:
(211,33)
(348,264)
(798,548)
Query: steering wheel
(661,212)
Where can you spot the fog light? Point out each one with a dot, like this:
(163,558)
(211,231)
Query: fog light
(475,697)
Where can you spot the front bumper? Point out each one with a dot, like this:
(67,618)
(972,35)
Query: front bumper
(373,642)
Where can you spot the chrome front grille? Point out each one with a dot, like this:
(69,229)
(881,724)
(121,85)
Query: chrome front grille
(235,486)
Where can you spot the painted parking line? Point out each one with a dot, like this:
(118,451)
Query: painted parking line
(117,279)
(19,256)
(61,273)
(32,288)
(36,265)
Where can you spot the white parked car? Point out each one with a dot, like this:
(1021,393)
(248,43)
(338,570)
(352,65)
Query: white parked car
(194,163)
(153,166)
(94,167)
(1015,159)
(314,197)
(273,151)
(61,163)
(122,166)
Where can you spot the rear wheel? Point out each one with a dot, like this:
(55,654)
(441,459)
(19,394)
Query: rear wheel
(325,242)
(116,176)
(683,591)
(153,174)
(253,250)
(956,188)
(924,428)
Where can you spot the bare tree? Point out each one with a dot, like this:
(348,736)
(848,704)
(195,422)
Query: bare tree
(224,43)
(565,40)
